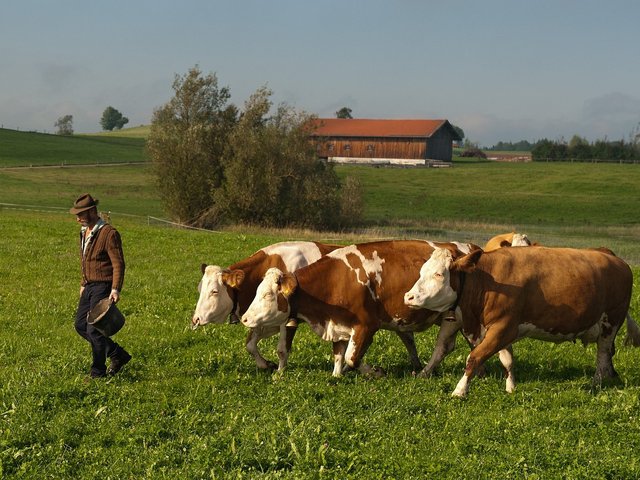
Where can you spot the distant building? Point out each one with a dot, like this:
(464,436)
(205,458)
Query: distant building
(377,141)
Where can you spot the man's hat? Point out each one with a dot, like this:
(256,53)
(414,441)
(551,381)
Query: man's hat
(83,203)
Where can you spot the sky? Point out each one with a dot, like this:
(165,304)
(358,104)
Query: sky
(502,70)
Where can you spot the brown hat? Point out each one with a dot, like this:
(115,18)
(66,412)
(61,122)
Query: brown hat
(84,202)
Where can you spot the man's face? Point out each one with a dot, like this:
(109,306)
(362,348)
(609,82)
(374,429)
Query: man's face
(88,218)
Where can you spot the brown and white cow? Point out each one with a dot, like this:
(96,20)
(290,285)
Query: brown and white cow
(521,240)
(553,294)
(512,239)
(351,293)
(229,291)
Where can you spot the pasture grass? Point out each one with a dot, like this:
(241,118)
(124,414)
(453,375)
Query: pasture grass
(517,194)
(24,149)
(191,404)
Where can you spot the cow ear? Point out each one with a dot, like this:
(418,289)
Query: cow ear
(505,243)
(288,284)
(203,267)
(233,278)
(468,262)
(473,246)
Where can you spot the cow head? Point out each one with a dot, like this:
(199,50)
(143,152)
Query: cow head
(216,290)
(433,289)
(270,307)
(520,240)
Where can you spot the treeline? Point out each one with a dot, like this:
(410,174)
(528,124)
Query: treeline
(521,146)
(580,150)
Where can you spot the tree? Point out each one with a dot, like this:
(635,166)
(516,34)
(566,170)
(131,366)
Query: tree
(186,144)
(273,176)
(112,118)
(344,112)
(459,131)
(64,125)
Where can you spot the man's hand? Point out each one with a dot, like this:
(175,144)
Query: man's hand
(115,296)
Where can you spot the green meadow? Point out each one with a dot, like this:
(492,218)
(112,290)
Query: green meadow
(192,404)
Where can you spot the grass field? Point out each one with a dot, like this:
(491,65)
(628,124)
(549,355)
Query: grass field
(34,149)
(192,405)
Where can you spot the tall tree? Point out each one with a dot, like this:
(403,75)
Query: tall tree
(112,118)
(186,142)
(64,125)
(344,112)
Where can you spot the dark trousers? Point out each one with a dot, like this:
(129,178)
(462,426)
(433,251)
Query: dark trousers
(101,346)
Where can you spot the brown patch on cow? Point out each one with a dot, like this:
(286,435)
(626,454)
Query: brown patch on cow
(356,265)
(468,262)
(283,304)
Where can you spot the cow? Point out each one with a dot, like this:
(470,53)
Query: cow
(351,293)
(553,294)
(512,239)
(228,291)
(521,240)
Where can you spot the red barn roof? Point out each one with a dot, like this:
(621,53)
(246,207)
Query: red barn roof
(358,127)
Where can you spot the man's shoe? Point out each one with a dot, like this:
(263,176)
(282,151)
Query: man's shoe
(118,362)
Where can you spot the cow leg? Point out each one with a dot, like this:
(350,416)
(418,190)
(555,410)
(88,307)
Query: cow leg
(506,358)
(604,356)
(410,344)
(287,332)
(253,337)
(358,346)
(445,343)
(339,349)
(495,339)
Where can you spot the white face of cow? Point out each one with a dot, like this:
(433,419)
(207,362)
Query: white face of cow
(520,240)
(214,304)
(433,289)
(266,310)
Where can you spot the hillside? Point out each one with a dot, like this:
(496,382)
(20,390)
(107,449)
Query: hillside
(31,148)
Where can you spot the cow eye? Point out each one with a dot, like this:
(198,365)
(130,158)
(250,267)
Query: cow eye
(213,292)
(439,276)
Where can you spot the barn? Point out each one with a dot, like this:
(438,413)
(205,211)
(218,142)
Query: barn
(380,141)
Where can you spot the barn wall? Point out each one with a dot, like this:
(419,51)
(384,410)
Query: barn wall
(439,146)
(372,148)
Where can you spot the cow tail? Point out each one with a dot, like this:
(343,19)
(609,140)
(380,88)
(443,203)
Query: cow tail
(633,332)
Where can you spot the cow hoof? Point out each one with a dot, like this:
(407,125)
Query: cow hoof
(268,367)
(372,372)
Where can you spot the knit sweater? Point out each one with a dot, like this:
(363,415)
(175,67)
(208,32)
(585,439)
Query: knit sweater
(103,258)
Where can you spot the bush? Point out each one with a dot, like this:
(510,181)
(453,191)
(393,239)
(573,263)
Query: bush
(272,176)
(216,166)
(473,152)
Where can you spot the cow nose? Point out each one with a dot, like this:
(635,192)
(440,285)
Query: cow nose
(408,297)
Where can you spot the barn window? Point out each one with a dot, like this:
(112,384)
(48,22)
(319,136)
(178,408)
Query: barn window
(330,147)
(370,147)
(347,147)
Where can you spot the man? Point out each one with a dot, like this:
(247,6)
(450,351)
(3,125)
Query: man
(102,261)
